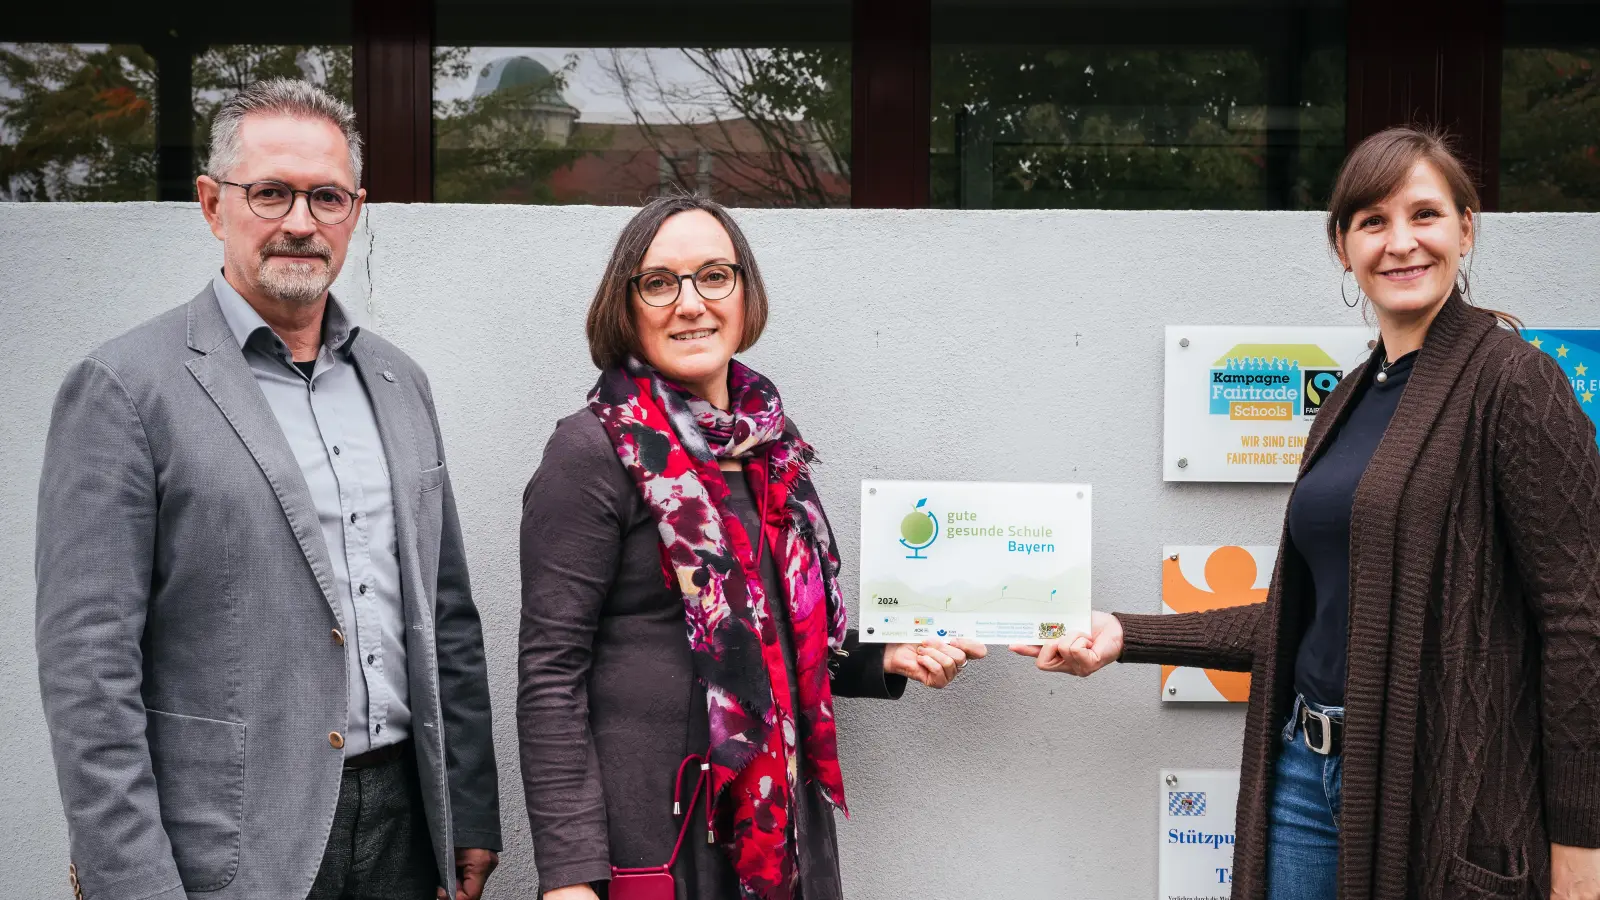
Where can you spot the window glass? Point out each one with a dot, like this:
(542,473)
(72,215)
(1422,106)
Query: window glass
(112,102)
(77,122)
(221,71)
(610,106)
(1550,108)
(1137,105)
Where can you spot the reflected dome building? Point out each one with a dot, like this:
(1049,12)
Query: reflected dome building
(529,88)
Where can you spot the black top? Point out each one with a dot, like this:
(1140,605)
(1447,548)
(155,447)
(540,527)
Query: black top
(306,368)
(607,702)
(1319,529)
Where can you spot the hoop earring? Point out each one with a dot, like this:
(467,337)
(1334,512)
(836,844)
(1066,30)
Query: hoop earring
(1343,295)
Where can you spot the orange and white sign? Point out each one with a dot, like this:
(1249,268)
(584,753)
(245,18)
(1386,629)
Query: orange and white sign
(1198,578)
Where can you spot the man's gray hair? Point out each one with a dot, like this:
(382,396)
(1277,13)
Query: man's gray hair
(283,97)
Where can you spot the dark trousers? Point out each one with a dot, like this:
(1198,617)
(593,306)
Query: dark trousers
(379,848)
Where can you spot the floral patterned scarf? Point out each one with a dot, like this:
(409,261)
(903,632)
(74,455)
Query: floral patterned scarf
(669,441)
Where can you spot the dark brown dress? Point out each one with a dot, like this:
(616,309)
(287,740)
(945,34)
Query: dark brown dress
(607,705)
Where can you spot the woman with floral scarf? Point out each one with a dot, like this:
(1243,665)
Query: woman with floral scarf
(683,628)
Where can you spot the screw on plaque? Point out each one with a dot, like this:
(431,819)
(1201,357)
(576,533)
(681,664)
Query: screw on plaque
(1183,462)
(1172,781)
(1183,342)
(1173,557)
(873,491)
(1173,690)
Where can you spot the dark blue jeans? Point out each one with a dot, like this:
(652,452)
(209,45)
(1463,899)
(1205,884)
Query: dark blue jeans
(1303,834)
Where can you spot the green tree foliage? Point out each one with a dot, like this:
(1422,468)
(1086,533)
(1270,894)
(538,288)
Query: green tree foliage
(1550,130)
(794,84)
(77,122)
(224,70)
(1117,128)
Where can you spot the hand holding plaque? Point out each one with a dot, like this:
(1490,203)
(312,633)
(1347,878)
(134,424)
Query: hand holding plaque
(1079,654)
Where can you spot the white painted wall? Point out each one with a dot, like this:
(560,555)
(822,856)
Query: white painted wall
(925,344)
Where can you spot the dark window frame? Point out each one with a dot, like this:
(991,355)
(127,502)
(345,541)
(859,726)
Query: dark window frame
(1452,79)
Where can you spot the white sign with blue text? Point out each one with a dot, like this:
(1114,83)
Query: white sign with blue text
(996,562)
(1197,809)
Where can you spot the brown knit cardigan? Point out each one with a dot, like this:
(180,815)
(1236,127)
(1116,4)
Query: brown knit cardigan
(1473,693)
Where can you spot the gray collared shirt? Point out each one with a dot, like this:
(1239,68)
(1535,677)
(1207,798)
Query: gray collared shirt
(329,422)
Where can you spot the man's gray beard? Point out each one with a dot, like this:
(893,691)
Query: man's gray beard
(300,284)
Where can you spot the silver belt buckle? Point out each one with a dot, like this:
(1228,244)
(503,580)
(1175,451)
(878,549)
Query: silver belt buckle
(1327,730)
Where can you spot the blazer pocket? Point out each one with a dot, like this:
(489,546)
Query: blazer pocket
(1481,882)
(199,769)
(432,479)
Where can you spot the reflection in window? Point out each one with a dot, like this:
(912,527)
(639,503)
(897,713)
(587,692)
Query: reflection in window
(222,70)
(114,101)
(1550,129)
(749,126)
(77,122)
(1203,107)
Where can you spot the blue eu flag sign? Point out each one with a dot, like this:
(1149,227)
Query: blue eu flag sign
(1577,351)
(1186,803)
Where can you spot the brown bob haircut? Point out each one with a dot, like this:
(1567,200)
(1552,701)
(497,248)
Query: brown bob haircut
(610,324)
(1379,165)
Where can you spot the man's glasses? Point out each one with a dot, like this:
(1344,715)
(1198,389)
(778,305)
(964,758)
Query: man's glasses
(329,205)
(713,281)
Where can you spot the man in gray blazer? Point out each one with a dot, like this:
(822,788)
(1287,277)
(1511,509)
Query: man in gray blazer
(261,665)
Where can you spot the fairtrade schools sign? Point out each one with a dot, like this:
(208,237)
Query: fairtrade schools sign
(1239,400)
(1272,381)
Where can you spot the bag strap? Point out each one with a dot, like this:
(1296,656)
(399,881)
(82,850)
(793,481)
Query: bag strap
(703,780)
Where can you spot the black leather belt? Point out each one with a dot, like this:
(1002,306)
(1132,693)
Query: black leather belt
(1323,733)
(381,756)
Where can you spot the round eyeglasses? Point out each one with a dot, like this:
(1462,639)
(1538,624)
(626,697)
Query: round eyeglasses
(713,281)
(329,204)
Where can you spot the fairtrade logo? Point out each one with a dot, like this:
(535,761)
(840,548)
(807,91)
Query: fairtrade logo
(1272,382)
(1319,384)
(918,530)
(1186,803)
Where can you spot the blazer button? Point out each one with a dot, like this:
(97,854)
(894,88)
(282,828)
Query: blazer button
(338,637)
(336,739)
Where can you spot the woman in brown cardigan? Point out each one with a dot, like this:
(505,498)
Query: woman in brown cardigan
(1443,536)
(681,604)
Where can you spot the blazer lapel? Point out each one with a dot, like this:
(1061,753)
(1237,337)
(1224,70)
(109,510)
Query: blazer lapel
(227,379)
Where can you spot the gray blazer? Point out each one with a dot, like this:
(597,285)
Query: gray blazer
(185,618)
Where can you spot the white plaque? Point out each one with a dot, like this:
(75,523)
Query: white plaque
(1239,400)
(997,562)
(1196,841)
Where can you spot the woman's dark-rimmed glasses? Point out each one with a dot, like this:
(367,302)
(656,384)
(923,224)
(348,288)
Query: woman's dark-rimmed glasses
(713,281)
(329,204)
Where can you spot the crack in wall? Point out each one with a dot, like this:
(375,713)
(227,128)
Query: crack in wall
(372,240)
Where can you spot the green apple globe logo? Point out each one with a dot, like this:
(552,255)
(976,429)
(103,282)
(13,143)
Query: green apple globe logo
(918,530)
